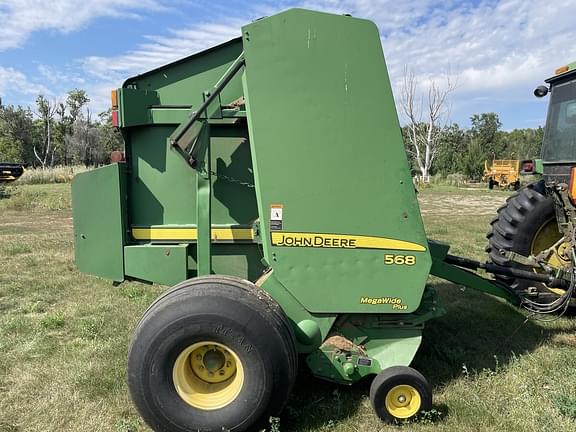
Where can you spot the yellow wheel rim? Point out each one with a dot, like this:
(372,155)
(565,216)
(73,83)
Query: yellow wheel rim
(208,375)
(403,401)
(545,238)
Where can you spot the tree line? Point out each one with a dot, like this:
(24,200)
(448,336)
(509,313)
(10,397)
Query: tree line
(458,150)
(55,133)
(434,146)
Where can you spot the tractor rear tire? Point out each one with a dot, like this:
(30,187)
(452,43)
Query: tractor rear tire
(213,353)
(525,217)
(400,393)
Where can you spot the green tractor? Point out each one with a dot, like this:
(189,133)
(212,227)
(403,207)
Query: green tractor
(534,230)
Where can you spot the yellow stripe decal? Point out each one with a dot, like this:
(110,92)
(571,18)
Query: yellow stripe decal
(184,234)
(342,241)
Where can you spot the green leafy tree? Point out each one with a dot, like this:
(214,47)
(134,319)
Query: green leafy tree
(484,131)
(451,148)
(77,99)
(17,134)
(109,138)
(473,161)
(522,143)
(10,151)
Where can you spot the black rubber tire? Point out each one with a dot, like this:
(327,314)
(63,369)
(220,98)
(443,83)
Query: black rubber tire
(222,309)
(392,377)
(514,228)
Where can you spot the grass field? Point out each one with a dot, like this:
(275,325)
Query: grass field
(64,338)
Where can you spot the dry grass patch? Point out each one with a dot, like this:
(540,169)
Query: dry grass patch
(63,174)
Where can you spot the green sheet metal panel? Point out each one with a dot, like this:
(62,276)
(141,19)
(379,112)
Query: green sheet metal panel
(99,213)
(163,186)
(163,192)
(162,264)
(182,82)
(241,260)
(139,102)
(328,153)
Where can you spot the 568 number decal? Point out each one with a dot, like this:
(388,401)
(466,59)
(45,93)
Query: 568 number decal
(399,260)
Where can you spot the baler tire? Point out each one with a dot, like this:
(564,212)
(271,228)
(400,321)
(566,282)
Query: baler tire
(515,227)
(395,382)
(212,313)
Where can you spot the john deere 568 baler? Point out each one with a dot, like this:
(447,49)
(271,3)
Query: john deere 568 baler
(266,179)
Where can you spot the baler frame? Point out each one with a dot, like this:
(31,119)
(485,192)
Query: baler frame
(192,140)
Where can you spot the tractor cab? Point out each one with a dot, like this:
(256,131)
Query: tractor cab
(559,144)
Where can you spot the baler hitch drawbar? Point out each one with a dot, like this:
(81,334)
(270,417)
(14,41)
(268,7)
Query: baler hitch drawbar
(452,268)
(551,281)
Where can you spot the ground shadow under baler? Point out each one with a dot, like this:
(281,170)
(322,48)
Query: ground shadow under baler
(478,331)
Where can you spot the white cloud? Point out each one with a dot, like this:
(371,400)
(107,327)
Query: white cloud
(55,76)
(105,73)
(159,50)
(498,49)
(20,18)
(501,45)
(15,82)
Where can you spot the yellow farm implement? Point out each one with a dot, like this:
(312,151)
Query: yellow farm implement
(503,173)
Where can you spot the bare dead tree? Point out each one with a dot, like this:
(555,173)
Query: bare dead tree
(84,141)
(46,111)
(426,118)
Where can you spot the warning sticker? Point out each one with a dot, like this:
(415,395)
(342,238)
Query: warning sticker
(276,213)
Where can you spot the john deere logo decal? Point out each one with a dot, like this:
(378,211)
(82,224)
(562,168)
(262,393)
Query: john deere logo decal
(343,241)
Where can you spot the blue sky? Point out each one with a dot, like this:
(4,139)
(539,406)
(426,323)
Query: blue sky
(496,51)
